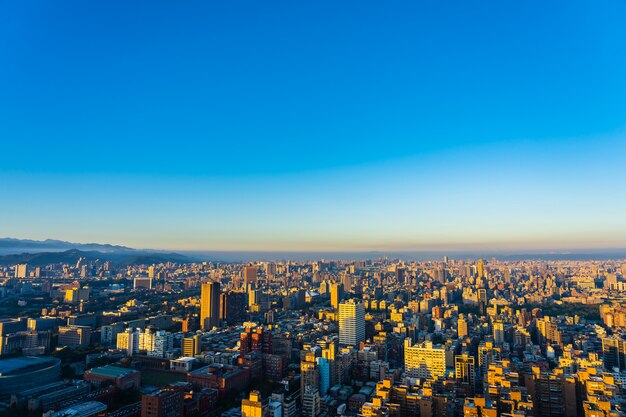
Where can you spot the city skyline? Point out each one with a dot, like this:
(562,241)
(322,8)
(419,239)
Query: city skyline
(312,127)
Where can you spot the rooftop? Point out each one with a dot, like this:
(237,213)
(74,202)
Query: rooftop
(88,408)
(15,365)
(112,371)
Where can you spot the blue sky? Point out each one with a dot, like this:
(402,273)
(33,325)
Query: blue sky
(320,126)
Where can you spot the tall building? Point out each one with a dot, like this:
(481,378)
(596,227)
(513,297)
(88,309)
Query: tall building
(250,274)
(128,341)
(424,360)
(351,323)
(498,332)
(465,372)
(253,406)
(336,294)
(309,371)
(614,352)
(232,309)
(400,275)
(462,329)
(192,345)
(480,268)
(21,271)
(210,305)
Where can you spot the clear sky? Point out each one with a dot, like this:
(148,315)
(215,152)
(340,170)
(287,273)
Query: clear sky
(321,125)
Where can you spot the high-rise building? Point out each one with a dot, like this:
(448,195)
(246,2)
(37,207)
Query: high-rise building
(400,275)
(250,274)
(21,271)
(336,294)
(498,332)
(253,406)
(465,372)
(156,343)
(309,371)
(424,360)
(614,352)
(462,329)
(480,268)
(192,345)
(351,323)
(232,309)
(210,305)
(128,341)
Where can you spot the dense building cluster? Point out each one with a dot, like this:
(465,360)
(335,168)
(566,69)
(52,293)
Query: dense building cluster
(371,338)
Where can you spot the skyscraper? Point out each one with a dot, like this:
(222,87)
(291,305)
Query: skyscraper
(351,323)
(210,305)
(250,274)
(336,294)
(462,329)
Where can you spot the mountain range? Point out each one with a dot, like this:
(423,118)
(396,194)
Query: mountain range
(43,252)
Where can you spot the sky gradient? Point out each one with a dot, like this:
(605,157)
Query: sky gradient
(323,126)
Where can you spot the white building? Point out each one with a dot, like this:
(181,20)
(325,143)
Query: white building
(351,323)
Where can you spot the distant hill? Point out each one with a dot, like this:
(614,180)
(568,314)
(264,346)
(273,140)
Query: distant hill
(16,246)
(132,257)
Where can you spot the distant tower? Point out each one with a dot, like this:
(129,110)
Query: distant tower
(250,274)
(210,305)
(400,275)
(480,267)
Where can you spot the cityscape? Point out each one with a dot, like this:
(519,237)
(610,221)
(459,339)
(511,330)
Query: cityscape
(312,209)
(372,338)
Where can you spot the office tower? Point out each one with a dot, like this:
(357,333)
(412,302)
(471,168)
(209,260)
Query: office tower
(424,360)
(192,345)
(232,309)
(462,329)
(482,300)
(210,305)
(21,271)
(498,332)
(270,269)
(480,268)
(311,402)
(323,366)
(151,271)
(166,402)
(348,282)
(614,352)
(253,406)
(400,275)
(465,372)
(351,323)
(250,274)
(336,294)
